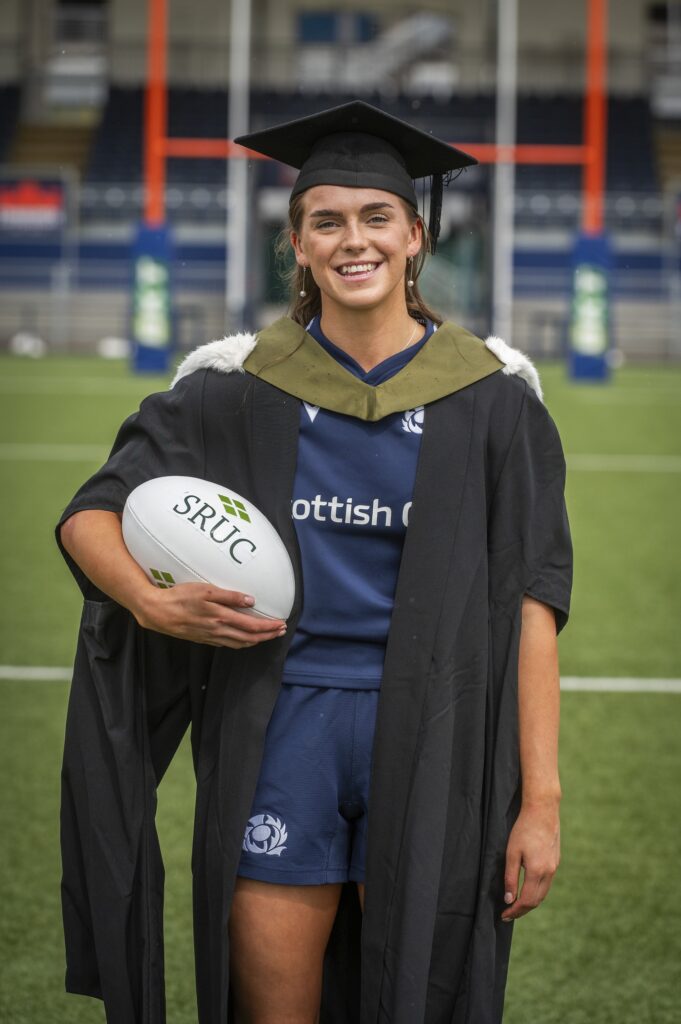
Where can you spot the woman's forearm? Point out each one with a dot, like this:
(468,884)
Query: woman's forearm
(538,703)
(190,611)
(534,842)
(94,539)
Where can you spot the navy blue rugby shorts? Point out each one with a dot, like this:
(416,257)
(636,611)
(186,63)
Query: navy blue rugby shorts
(308,823)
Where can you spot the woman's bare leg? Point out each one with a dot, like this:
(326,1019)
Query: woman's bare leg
(360,892)
(278,935)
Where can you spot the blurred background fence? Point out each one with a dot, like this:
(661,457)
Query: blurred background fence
(71,156)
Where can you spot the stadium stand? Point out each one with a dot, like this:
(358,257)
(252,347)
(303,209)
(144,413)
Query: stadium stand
(117,149)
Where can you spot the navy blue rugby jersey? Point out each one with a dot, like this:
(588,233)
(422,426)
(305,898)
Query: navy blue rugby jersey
(351,499)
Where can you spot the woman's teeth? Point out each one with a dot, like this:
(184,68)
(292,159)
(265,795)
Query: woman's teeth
(358,268)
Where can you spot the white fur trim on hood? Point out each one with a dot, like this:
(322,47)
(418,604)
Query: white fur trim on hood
(516,362)
(229,354)
(225,355)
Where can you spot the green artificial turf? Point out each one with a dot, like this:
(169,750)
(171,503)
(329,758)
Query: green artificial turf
(604,948)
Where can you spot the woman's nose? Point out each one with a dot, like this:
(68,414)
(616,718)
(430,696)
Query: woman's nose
(353,236)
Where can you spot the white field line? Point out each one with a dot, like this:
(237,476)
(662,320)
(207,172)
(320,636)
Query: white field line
(68,386)
(602,684)
(624,463)
(639,396)
(591,684)
(591,463)
(38,452)
(35,673)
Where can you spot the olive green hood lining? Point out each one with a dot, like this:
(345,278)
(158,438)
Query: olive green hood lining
(290,359)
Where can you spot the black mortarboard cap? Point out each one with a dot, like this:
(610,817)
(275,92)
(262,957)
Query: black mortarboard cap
(359,146)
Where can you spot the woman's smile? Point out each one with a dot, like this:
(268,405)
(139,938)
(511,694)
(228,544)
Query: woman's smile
(358,271)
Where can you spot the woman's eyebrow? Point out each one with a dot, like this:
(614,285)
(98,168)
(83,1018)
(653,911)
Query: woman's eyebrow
(367,208)
(376,206)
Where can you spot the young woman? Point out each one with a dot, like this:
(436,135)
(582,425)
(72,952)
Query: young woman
(373,774)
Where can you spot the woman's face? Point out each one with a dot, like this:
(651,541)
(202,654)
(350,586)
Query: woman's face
(356,242)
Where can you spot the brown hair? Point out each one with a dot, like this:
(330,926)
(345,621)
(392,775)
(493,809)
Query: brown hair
(303,308)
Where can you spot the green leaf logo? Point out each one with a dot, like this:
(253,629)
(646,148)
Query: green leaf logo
(234,508)
(164,580)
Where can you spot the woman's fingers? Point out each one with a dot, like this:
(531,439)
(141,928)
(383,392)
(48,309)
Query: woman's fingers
(227,631)
(231,623)
(534,891)
(230,598)
(534,845)
(251,624)
(206,614)
(511,875)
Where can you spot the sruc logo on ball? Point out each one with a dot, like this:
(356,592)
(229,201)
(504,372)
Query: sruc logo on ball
(232,536)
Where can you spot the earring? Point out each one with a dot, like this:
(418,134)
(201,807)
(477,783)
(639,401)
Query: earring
(302,291)
(410,280)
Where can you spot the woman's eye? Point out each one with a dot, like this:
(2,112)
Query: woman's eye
(326,224)
(378,218)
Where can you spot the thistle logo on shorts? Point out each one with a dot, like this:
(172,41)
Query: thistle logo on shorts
(412,420)
(265,834)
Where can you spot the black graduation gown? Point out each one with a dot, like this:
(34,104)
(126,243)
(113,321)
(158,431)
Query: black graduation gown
(488,525)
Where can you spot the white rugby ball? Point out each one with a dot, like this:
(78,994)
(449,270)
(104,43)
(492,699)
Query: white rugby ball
(184,530)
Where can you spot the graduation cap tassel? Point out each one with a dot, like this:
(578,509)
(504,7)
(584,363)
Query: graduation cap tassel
(436,189)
